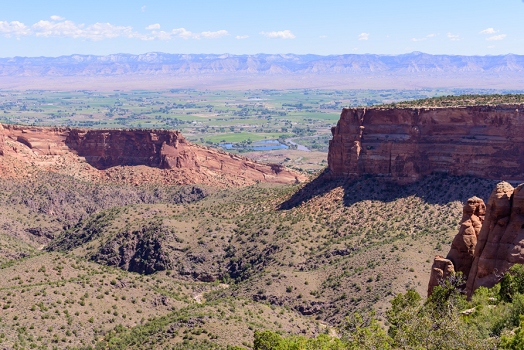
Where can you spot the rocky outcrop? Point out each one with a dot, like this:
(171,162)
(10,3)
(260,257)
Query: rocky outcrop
(441,269)
(484,255)
(501,239)
(140,251)
(159,149)
(404,144)
(461,254)
(463,246)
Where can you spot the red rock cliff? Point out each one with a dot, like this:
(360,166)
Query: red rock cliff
(501,239)
(461,254)
(405,144)
(158,149)
(486,246)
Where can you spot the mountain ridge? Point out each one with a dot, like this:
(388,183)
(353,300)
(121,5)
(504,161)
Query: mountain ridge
(154,63)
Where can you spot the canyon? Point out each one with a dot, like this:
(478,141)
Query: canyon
(136,156)
(405,144)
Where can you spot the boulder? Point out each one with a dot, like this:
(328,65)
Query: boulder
(441,269)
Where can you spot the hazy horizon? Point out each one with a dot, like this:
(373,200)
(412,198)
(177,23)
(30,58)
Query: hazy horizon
(265,53)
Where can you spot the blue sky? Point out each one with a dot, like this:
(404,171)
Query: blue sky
(462,27)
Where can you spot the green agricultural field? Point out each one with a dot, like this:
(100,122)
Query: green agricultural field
(211,117)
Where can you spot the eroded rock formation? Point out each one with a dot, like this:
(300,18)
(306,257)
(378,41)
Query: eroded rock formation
(461,254)
(140,251)
(405,144)
(463,246)
(441,269)
(485,255)
(104,150)
(501,239)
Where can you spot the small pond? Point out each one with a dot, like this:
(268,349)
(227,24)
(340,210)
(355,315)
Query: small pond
(262,145)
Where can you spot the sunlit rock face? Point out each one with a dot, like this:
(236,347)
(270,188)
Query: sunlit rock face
(490,240)
(462,252)
(158,149)
(404,144)
(501,239)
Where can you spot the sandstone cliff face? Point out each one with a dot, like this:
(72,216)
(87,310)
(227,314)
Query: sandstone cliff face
(461,254)
(501,239)
(156,149)
(463,246)
(485,248)
(406,144)
(2,140)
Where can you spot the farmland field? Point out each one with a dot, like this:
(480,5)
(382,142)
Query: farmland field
(300,120)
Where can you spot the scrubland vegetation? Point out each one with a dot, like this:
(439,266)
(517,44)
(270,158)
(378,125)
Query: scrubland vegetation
(207,271)
(446,320)
(331,264)
(460,101)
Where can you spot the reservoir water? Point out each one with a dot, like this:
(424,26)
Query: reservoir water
(262,145)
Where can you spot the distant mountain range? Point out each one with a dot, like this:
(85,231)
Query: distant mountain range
(156,63)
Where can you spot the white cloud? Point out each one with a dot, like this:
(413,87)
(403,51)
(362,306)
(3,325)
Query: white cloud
(424,38)
(99,31)
(214,35)
(496,37)
(240,37)
(153,26)
(57,18)
(363,36)
(454,37)
(323,36)
(160,35)
(183,33)
(491,46)
(143,8)
(283,34)
(488,31)
(95,32)
(14,28)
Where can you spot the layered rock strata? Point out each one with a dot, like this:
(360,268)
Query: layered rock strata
(461,254)
(405,144)
(158,149)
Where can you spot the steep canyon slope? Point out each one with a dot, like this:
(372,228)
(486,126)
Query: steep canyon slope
(160,156)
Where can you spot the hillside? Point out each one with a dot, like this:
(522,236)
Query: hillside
(129,262)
